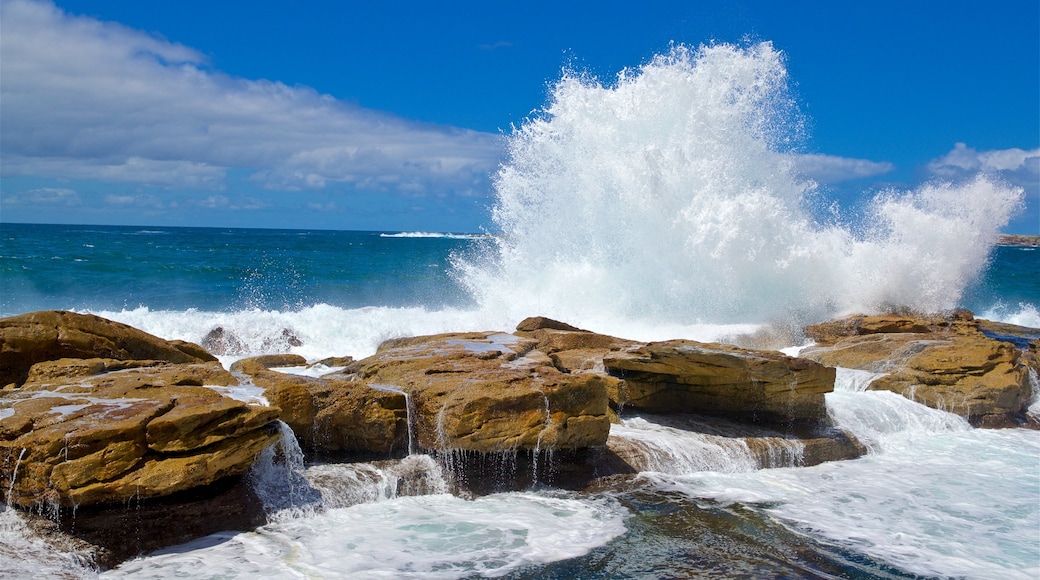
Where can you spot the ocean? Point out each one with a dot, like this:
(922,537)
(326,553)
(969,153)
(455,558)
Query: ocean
(662,206)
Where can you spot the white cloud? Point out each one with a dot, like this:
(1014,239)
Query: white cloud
(96,100)
(135,200)
(44,196)
(827,169)
(224,202)
(1015,165)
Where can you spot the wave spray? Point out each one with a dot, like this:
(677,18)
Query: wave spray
(672,198)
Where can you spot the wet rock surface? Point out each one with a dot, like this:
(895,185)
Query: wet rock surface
(952,363)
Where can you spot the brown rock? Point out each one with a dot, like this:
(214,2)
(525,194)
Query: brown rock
(48,335)
(83,375)
(220,341)
(540,322)
(333,413)
(104,431)
(953,370)
(829,332)
(482,392)
(715,379)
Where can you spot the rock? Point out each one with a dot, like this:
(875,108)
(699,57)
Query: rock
(64,373)
(829,332)
(222,342)
(540,322)
(956,369)
(482,392)
(102,431)
(49,335)
(684,376)
(331,413)
(336,361)
(975,368)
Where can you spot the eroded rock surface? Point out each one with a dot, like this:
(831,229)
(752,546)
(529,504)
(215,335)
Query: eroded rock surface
(116,414)
(333,413)
(716,379)
(53,334)
(945,363)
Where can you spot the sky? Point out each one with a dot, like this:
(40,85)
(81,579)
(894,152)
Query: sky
(393,116)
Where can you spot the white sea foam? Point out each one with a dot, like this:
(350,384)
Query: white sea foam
(934,497)
(1024,315)
(326,331)
(313,371)
(23,554)
(444,235)
(434,536)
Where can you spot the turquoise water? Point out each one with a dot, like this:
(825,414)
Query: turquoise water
(112,268)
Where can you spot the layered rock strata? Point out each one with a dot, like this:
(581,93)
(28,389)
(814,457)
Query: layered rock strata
(949,363)
(752,386)
(98,412)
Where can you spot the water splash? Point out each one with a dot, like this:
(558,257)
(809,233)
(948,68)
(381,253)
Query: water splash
(410,413)
(672,196)
(682,445)
(277,478)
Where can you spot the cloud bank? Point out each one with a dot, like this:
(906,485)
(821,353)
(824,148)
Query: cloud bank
(1018,166)
(828,169)
(84,99)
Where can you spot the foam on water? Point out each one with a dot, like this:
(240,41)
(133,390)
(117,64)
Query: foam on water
(934,496)
(672,196)
(1024,315)
(437,536)
(24,554)
(325,331)
(689,446)
(322,330)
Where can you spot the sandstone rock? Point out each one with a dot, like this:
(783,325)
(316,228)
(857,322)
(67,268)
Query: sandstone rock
(489,392)
(48,335)
(949,361)
(99,431)
(956,370)
(222,342)
(83,375)
(723,380)
(333,413)
(829,332)
(540,322)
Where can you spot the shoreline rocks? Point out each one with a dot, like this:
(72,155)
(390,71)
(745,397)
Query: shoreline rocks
(96,416)
(952,362)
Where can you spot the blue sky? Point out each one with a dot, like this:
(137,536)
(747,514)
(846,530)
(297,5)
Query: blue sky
(392,116)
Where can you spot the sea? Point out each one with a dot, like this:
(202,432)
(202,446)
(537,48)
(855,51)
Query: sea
(662,204)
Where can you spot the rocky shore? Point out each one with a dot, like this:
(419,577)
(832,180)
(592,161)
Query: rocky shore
(1018,240)
(105,428)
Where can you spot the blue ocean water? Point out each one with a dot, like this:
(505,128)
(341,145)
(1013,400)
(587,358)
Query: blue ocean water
(175,269)
(113,268)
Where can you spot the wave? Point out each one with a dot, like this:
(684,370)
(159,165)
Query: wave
(671,196)
(323,330)
(436,235)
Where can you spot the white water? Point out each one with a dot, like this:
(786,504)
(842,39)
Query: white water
(933,497)
(678,448)
(391,519)
(671,195)
(434,536)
